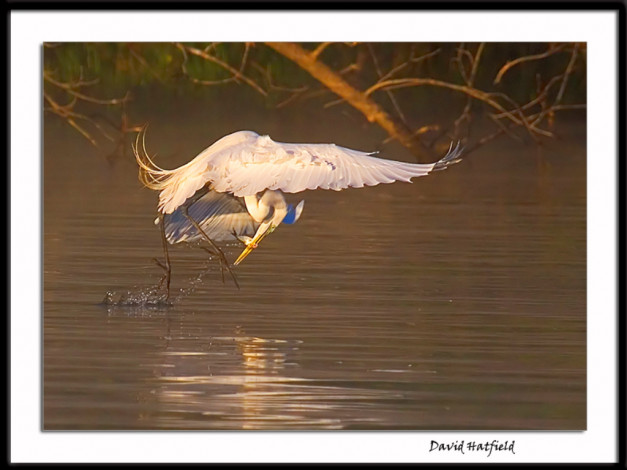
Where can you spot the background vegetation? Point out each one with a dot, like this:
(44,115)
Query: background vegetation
(520,88)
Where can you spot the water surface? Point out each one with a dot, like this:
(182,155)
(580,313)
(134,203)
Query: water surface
(456,302)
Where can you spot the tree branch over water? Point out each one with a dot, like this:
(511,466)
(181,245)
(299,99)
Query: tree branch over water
(394,122)
(422,95)
(237,75)
(67,112)
(360,101)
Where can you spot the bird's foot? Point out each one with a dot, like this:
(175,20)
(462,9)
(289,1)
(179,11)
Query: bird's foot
(165,279)
(245,240)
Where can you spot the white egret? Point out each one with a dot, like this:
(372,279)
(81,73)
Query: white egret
(233,190)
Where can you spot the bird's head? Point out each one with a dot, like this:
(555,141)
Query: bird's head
(289,216)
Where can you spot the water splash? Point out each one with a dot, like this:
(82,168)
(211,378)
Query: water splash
(152,298)
(196,281)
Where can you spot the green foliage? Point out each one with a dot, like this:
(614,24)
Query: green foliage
(96,74)
(119,66)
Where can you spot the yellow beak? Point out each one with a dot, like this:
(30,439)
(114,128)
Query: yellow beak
(254,243)
(244,253)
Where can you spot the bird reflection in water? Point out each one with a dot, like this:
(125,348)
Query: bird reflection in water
(240,382)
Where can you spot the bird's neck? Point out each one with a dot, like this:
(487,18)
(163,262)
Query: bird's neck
(271,205)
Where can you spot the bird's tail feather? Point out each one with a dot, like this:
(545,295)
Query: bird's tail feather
(150,174)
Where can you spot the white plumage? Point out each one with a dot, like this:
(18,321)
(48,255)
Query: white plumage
(233,189)
(245,163)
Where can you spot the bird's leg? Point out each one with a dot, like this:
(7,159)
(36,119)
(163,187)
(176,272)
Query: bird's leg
(213,253)
(223,261)
(167,267)
(162,266)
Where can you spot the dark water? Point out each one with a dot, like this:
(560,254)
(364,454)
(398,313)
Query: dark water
(456,302)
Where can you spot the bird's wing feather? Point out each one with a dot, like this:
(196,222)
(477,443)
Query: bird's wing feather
(250,167)
(221,216)
(180,184)
(244,164)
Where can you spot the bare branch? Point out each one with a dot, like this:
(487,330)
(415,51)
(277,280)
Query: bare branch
(67,114)
(465,115)
(291,98)
(318,50)
(359,100)
(569,70)
(349,68)
(211,46)
(66,111)
(541,96)
(420,131)
(236,74)
(512,63)
(388,92)
(267,74)
(504,128)
(535,114)
(199,81)
(483,141)
(412,60)
(475,64)
(71,89)
(459,59)
(409,82)
(143,62)
(560,93)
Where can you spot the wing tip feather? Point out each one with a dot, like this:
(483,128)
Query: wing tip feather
(454,155)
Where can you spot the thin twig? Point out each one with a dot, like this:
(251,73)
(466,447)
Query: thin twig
(388,92)
(465,115)
(475,93)
(412,60)
(69,116)
(318,50)
(541,96)
(569,71)
(560,93)
(143,62)
(459,59)
(267,74)
(236,74)
(549,52)
(69,88)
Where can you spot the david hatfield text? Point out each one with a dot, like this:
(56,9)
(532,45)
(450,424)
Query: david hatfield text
(486,447)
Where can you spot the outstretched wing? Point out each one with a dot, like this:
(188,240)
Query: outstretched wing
(220,215)
(244,163)
(250,167)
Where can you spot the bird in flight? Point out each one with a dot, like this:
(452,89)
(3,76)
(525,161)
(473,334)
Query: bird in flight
(233,190)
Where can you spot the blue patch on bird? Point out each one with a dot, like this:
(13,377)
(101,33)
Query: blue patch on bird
(290,218)
(293,213)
